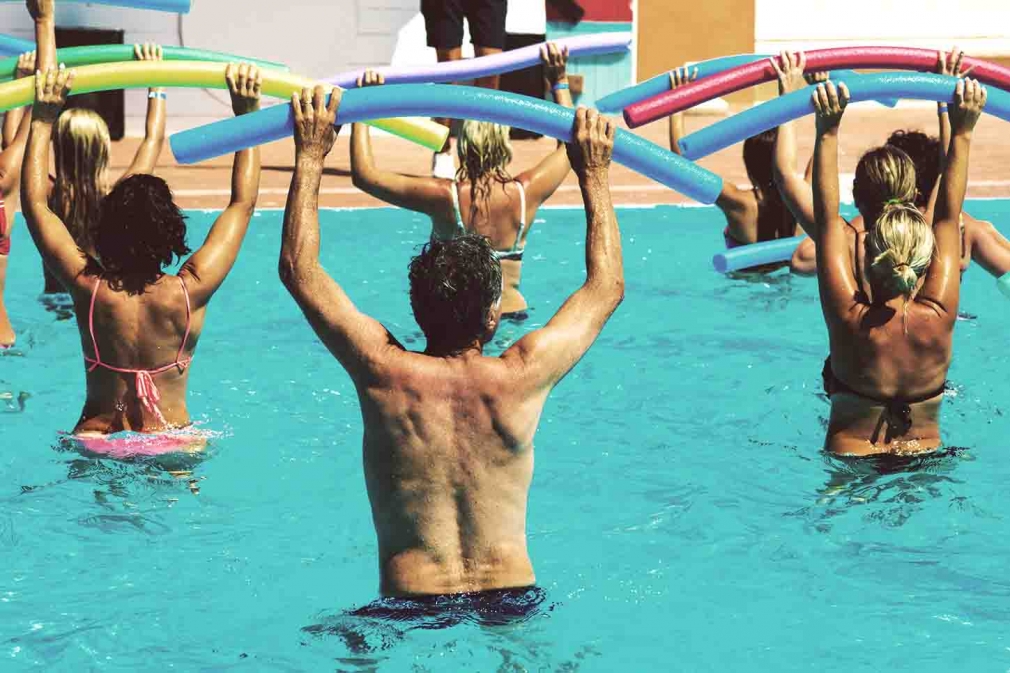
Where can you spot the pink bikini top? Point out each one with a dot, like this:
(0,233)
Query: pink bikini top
(147,392)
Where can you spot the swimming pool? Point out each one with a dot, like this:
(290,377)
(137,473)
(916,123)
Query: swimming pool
(682,516)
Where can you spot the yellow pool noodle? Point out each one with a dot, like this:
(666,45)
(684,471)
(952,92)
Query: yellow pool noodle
(199,74)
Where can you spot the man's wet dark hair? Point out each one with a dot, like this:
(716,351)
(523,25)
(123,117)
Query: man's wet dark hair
(774,219)
(924,151)
(454,285)
(139,233)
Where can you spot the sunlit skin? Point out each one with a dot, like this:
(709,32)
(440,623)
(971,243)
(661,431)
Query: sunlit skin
(140,330)
(15,136)
(498,219)
(881,346)
(448,432)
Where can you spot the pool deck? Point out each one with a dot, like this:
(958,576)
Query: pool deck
(206,185)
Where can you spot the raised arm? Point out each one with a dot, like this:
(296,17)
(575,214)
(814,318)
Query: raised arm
(349,334)
(55,244)
(44,14)
(943,280)
(206,269)
(147,154)
(17,124)
(543,180)
(678,78)
(835,274)
(794,188)
(421,194)
(947,63)
(549,353)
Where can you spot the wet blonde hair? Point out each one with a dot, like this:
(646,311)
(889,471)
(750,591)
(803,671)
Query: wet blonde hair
(900,246)
(484,155)
(82,144)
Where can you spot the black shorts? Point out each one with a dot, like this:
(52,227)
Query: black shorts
(443,21)
(384,623)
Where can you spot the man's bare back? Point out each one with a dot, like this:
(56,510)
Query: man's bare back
(448,433)
(448,453)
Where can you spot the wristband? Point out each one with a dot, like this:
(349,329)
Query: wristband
(559,86)
(941,108)
(157,94)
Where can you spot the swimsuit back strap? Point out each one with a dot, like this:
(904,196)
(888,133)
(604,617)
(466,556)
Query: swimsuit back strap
(97,361)
(522,216)
(189,322)
(460,227)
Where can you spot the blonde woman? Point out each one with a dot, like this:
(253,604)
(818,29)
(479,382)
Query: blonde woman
(891,336)
(15,135)
(82,146)
(484,198)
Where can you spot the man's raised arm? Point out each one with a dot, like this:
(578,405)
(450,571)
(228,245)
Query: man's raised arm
(548,354)
(354,338)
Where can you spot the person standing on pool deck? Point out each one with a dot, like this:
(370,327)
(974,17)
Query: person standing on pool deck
(891,343)
(443,23)
(139,326)
(15,136)
(448,432)
(482,198)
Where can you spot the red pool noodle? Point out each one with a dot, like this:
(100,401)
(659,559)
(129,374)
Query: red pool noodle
(745,76)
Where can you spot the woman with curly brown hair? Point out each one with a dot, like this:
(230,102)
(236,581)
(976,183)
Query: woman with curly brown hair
(139,325)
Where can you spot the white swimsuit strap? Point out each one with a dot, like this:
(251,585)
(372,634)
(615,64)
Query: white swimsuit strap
(522,216)
(460,227)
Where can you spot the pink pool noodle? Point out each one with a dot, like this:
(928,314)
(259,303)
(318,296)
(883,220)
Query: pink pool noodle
(742,77)
(508,61)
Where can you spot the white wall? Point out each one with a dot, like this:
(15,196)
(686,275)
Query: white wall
(314,37)
(981,27)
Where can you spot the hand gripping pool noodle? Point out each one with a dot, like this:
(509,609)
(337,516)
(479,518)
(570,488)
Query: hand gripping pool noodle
(74,57)
(756,254)
(454,71)
(453,101)
(741,77)
(143,74)
(768,115)
(1003,283)
(13,46)
(660,84)
(177,6)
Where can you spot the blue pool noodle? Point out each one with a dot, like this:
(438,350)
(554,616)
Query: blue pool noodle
(177,6)
(778,111)
(619,100)
(12,46)
(756,254)
(459,102)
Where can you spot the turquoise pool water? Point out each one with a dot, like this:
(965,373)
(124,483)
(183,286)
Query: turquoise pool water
(682,515)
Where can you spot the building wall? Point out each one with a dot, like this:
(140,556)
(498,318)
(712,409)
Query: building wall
(672,33)
(314,37)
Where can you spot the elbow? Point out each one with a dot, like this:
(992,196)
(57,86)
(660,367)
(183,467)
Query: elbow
(292,272)
(804,259)
(608,291)
(288,271)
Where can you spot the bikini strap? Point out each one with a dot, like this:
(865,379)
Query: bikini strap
(522,215)
(189,320)
(460,227)
(91,327)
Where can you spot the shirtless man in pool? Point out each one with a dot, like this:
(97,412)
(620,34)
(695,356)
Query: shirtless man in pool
(448,432)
